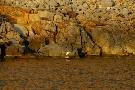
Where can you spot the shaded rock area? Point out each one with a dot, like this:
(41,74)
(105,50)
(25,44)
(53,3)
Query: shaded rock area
(8,34)
(55,27)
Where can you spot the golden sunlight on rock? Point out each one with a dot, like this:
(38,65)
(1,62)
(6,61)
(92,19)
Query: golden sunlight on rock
(97,27)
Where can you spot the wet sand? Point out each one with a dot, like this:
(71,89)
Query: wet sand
(91,73)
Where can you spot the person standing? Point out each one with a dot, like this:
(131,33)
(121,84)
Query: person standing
(2,48)
(3,45)
(3,51)
(26,46)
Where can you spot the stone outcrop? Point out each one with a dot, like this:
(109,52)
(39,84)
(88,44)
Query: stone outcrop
(9,34)
(54,27)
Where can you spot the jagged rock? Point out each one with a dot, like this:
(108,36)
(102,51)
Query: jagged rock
(89,45)
(67,39)
(73,37)
(9,34)
(22,30)
(96,26)
(30,33)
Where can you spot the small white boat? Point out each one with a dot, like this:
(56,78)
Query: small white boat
(67,55)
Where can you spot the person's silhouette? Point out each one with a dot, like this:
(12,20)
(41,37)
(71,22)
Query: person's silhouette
(3,45)
(3,51)
(26,46)
(27,49)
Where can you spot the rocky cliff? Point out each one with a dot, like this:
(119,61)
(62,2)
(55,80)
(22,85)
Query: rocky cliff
(54,27)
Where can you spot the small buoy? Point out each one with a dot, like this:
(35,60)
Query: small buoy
(67,55)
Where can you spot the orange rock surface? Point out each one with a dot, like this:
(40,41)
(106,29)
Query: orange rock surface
(18,15)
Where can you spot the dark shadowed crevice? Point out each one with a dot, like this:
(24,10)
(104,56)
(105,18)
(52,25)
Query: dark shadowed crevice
(90,36)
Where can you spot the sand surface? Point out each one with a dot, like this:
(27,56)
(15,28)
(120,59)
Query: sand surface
(92,73)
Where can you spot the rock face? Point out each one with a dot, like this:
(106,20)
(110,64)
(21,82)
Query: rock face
(65,37)
(54,27)
(9,34)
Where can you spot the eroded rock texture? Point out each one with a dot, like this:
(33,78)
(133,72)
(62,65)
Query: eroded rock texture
(9,34)
(54,27)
